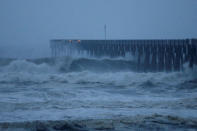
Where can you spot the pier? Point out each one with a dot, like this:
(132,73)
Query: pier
(150,55)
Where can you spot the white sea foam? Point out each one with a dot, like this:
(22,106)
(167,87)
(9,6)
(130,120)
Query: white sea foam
(25,66)
(30,91)
(22,70)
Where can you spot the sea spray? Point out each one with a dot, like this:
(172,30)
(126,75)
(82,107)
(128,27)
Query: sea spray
(81,89)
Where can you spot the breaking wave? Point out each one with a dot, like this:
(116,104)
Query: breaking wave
(72,64)
(97,93)
(107,71)
(67,64)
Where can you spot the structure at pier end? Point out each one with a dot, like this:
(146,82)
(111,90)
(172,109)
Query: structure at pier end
(150,55)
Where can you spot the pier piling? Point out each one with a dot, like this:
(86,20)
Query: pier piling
(150,55)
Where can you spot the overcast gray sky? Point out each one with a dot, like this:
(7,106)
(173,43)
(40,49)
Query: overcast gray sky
(26,26)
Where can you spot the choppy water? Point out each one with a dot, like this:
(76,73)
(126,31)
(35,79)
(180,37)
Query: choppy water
(105,94)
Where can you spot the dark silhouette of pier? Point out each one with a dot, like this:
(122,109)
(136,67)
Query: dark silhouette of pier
(150,55)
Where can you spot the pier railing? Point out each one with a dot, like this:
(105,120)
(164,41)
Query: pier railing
(150,55)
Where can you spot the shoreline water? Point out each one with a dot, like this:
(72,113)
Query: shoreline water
(35,95)
(154,122)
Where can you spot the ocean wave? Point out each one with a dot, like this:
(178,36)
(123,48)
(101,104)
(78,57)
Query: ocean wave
(75,64)
(110,72)
(153,122)
(67,64)
(157,81)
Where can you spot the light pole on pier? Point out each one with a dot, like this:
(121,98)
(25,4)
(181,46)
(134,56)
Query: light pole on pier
(105,28)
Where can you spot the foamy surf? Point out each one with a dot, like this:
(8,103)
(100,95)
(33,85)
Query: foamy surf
(54,94)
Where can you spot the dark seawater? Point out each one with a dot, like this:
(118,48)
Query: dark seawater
(94,94)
